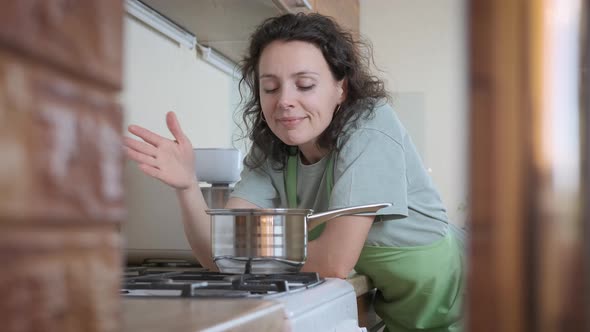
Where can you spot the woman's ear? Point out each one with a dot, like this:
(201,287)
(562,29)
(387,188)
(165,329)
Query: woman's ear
(342,90)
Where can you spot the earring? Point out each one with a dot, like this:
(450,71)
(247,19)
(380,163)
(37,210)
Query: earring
(337,109)
(262,117)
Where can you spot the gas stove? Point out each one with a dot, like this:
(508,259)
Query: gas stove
(310,303)
(214,284)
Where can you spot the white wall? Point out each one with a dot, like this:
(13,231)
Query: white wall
(420,45)
(161,76)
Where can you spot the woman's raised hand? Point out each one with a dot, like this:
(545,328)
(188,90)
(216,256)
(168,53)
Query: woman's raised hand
(172,162)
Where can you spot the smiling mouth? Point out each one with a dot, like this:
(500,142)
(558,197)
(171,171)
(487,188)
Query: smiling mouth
(291,121)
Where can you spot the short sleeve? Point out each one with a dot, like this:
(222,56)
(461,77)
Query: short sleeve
(371,168)
(256,187)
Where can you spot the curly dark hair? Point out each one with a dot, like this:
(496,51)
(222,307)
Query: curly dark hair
(346,61)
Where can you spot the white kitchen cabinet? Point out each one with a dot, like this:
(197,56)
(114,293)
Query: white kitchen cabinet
(226,25)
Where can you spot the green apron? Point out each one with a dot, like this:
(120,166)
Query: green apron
(419,288)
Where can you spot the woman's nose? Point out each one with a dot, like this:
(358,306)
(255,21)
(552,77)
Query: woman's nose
(286,99)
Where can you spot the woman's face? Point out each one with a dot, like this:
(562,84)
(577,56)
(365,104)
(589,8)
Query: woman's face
(298,93)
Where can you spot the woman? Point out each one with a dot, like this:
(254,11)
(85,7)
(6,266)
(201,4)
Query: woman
(324,137)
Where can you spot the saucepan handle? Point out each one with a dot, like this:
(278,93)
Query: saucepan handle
(317,219)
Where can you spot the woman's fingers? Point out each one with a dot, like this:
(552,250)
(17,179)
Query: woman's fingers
(146,135)
(141,158)
(174,127)
(138,146)
(161,158)
(149,170)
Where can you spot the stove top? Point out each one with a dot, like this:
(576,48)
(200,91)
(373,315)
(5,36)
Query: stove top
(143,281)
(310,303)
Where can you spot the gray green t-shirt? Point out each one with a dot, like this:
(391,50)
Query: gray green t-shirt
(377,163)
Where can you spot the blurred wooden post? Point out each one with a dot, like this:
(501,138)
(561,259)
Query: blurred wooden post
(559,270)
(500,160)
(528,267)
(585,128)
(61,186)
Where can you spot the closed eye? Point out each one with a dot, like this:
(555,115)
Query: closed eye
(306,88)
(269,91)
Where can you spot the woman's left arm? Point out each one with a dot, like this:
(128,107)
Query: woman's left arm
(335,253)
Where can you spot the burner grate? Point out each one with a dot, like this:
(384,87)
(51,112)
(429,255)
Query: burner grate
(186,289)
(215,284)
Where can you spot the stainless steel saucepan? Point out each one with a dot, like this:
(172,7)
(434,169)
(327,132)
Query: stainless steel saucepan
(263,241)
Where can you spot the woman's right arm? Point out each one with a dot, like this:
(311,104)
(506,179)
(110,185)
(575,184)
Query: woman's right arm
(172,162)
(197,225)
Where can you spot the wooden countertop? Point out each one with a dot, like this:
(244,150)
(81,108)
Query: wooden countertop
(190,315)
(360,283)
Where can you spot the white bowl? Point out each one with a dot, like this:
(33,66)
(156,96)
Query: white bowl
(218,166)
